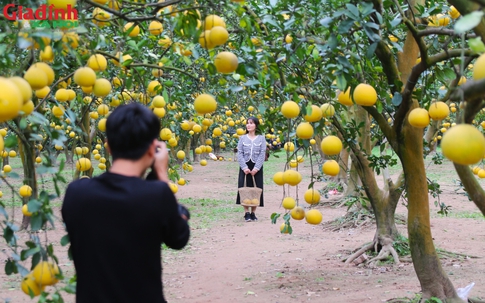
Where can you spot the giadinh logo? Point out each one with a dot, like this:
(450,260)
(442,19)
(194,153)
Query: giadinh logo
(43,17)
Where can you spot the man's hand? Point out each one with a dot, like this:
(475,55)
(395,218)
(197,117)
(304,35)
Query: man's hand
(246,171)
(160,162)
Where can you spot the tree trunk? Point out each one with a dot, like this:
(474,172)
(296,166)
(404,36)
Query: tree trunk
(434,281)
(27,156)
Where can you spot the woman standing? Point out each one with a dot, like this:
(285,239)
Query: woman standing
(251,152)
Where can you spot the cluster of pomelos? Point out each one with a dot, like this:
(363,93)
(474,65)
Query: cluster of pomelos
(44,274)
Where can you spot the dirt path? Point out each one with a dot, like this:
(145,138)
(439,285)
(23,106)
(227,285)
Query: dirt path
(236,261)
(229,260)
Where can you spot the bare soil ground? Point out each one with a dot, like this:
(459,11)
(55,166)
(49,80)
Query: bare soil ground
(229,260)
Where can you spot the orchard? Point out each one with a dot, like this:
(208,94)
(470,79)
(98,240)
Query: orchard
(350,88)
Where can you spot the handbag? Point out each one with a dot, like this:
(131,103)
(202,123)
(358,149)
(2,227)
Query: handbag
(249,196)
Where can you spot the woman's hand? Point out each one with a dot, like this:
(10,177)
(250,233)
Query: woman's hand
(246,171)
(254,172)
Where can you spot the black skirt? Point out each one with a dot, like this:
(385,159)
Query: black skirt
(258,177)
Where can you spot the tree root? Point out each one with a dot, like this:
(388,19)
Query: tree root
(450,254)
(358,253)
(353,219)
(386,250)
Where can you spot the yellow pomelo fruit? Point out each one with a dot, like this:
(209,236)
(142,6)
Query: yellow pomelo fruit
(153,87)
(83,164)
(2,143)
(46,54)
(365,95)
(97,62)
(61,4)
(331,168)
(288,203)
(101,87)
(45,273)
(212,21)
(25,191)
(158,102)
(181,155)
(85,150)
(203,162)
(36,77)
(160,112)
(278,178)
(481,173)
(284,228)
(438,110)
(205,41)
(84,76)
(315,116)
(28,108)
(132,28)
(173,187)
(103,109)
(165,134)
(226,62)
(218,35)
(454,13)
(7,168)
(205,104)
(25,211)
(102,125)
(479,68)
(62,95)
(418,117)
(47,70)
(12,154)
(217,132)
(290,109)
(312,196)
(181,181)
(344,98)
(463,144)
(30,286)
(289,146)
(43,92)
(331,145)
(197,128)
(38,160)
(58,111)
(11,100)
(314,216)
(292,177)
(155,28)
(24,88)
(304,130)
(327,110)
(297,213)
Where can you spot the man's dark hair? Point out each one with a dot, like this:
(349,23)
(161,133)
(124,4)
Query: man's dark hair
(130,130)
(256,122)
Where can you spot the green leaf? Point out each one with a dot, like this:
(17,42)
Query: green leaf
(10,267)
(354,11)
(36,222)
(26,253)
(468,22)
(396,99)
(476,45)
(65,240)
(165,96)
(34,205)
(274,217)
(371,50)
(11,141)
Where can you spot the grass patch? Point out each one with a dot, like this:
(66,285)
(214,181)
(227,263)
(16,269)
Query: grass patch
(462,215)
(207,212)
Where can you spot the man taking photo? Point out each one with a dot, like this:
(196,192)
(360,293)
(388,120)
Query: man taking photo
(118,221)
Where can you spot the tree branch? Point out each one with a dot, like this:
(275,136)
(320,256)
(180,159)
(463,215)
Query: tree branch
(473,188)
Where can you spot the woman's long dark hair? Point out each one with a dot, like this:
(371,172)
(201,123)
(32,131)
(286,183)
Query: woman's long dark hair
(256,122)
